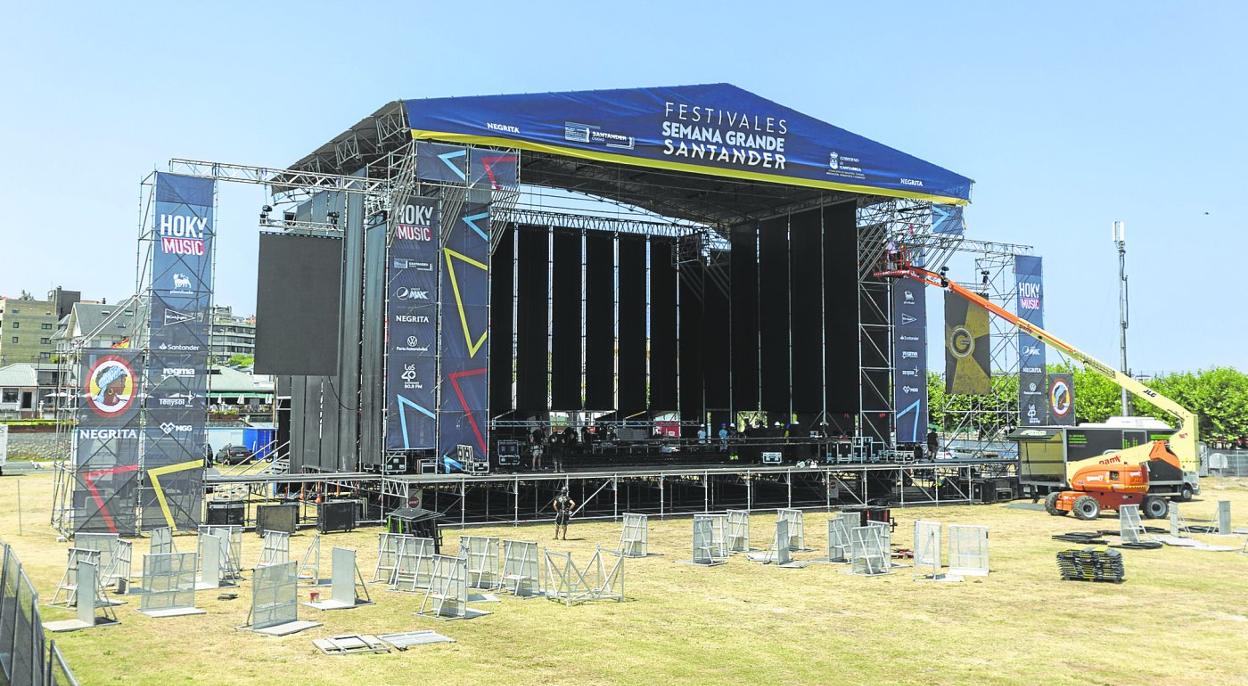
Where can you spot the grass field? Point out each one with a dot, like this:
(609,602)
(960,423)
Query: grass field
(1181,617)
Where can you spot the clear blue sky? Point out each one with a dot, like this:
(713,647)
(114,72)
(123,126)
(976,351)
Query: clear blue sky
(1067,114)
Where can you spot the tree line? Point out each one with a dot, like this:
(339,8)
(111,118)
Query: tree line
(1219,397)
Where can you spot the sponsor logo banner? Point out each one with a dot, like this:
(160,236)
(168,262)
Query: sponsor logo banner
(411,327)
(1061,399)
(910,360)
(1033,403)
(967,347)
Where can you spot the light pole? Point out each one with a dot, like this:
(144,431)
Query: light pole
(1120,241)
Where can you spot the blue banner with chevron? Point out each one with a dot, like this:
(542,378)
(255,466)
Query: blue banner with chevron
(463,418)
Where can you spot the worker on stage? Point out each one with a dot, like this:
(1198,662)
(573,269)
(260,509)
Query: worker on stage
(564,505)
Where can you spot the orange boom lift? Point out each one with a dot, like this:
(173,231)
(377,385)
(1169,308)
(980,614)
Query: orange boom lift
(1121,477)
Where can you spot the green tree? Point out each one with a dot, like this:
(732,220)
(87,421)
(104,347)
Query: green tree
(241,361)
(1218,396)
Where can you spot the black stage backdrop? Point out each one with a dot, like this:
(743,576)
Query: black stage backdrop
(773,316)
(806,293)
(662,326)
(716,340)
(840,285)
(744,274)
(531,327)
(297,298)
(632,362)
(565,342)
(599,321)
(502,322)
(691,350)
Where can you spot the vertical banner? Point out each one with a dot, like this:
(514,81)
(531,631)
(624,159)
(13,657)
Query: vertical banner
(910,360)
(968,357)
(463,418)
(176,380)
(106,442)
(1061,399)
(411,335)
(1033,406)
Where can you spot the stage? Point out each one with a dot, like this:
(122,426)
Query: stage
(662,491)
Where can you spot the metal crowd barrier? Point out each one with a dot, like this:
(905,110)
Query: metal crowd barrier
(26,657)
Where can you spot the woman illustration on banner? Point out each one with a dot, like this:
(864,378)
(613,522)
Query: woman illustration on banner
(111,387)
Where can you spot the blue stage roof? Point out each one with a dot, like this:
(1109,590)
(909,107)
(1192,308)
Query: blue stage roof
(713,129)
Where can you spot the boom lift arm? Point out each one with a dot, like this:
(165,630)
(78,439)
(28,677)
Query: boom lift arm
(1184,443)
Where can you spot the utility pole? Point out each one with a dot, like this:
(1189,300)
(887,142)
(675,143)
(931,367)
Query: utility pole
(1120,241)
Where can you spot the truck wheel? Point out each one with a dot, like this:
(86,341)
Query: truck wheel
(1155,507)
(1185,493)
(1086,508)
(1050,505)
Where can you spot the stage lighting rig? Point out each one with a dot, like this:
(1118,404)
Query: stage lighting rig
(264,214)
(333,219)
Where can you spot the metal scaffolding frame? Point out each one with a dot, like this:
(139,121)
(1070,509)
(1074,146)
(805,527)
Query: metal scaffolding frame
(890,227)
(980,429)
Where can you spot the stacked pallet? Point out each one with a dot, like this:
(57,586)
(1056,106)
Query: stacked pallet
(1091,564)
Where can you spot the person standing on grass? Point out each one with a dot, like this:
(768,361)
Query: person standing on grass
(564,505)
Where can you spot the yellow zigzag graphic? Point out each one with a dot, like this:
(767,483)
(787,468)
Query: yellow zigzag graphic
(473,347)
(158,472)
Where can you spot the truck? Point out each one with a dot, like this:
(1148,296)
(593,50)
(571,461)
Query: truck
(1069,465)
(1051,456)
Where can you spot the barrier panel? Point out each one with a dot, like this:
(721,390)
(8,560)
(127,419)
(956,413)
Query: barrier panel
(276,550)
(797,527)
(737,535)
(447,595)
(161,542)
(169,585)
(709,548)
(520,568)
(387,556)
(926,548)
(838,537)
(413,564)
(1130,525)
(869,551)
(275,600)
(481,552)
(635,538)
(968,549)
(26,657)
(346,583)
(232,553)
